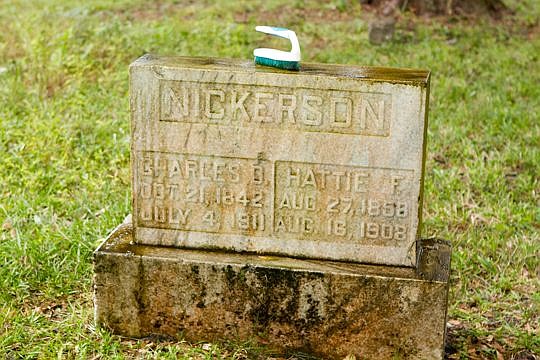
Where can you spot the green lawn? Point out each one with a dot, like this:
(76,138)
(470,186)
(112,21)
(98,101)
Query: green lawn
(64,156)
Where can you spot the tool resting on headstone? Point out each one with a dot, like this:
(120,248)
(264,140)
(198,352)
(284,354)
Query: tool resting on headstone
(289,60)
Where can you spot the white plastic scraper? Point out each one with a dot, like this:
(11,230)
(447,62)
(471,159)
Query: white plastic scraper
(289,60)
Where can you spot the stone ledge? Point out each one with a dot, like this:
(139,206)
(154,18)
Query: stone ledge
(329,309)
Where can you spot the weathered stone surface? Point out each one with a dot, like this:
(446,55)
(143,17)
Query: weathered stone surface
(323,163)
(326,308)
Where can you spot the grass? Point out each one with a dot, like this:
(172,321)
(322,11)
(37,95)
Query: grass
(64,157)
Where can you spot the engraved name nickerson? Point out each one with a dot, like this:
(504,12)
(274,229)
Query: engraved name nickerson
(304,109)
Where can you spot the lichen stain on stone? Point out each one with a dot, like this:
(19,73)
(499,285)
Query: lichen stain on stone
(312,301)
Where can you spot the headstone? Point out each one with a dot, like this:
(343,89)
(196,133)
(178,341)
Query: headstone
(381,30)
(278,204)
(325,163)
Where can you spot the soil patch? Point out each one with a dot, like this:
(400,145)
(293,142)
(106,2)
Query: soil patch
(464,8)
(288,15)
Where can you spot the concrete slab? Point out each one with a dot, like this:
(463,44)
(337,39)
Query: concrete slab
(326,308)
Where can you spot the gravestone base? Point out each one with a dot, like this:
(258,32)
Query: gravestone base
(328,309)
